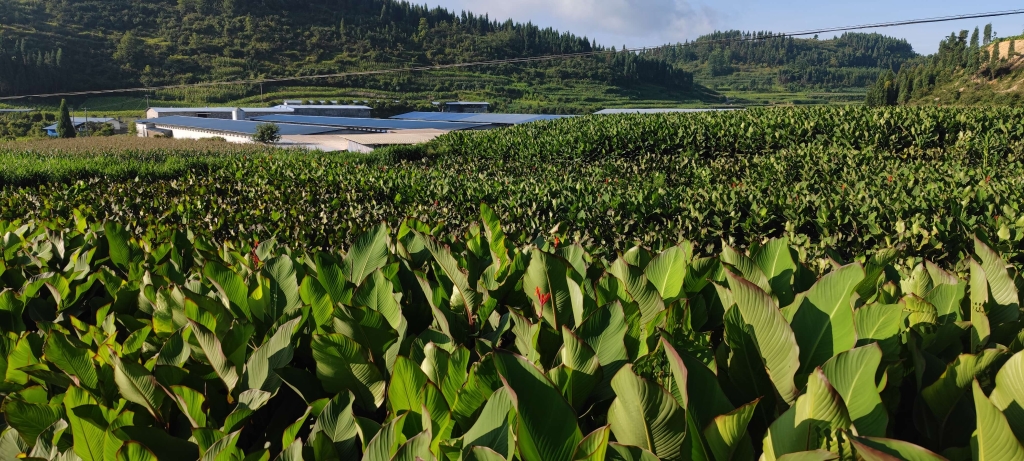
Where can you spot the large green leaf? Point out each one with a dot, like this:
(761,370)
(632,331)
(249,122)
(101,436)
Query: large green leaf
(699,390)
(282,292)
(747,268)
(342,364)
(74,360)
(492,429)
(137,385)
(30,419)
(993,439)
(406,383)
(852,373)
(482,381)
(385,444)
(765,326)
(1008,395)
(123,252)
(605,331)
(546,427)
(1005,306)
(880,323)
(823,322)
(646,415)
(813,422)
(546,285)
(776,262)
(467,296)
(579,372)
(191,403)
(942,396)
(619,452)
(594,447)
(11,309)
(668,270)
(214,353)
(231,288)
(639,288)
(338,424)
(89,435)
(881,449)
(275,353)
(135,451)
(726,432)
(368,253)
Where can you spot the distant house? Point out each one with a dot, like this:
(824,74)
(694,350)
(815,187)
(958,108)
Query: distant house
(235,113)
(80,122)
(464,107)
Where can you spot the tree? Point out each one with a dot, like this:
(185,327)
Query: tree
(884,92)
(267,133)
(129,50)
(65,128)
(988,34)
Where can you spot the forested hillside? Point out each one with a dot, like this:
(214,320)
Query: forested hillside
(49,45)
(970,68)
(850,60)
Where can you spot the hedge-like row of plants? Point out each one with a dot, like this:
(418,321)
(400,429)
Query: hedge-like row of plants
(412,345)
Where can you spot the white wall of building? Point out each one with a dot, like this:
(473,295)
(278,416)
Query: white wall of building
(182,133)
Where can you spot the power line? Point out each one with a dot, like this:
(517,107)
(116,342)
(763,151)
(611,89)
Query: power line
(803,33)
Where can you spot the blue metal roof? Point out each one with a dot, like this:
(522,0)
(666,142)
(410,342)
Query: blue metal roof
(497,119)
(369,124)
(244,127)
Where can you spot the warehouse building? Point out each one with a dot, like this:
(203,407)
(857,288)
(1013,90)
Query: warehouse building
(236,131)
(488,119)
(374,125)
(235,113)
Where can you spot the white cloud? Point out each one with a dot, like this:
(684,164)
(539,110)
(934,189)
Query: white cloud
(611,22)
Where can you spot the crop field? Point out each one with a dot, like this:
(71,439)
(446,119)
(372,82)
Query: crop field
(826,283)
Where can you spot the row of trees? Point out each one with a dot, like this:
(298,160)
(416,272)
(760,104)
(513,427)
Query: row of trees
(967,54)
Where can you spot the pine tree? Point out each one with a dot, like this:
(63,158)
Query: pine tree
(988,34)
(1013,50)
(65,128)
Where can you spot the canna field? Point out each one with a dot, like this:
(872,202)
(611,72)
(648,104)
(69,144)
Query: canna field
(823,284)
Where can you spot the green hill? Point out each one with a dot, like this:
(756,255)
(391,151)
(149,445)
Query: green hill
(67,45)
(760,68)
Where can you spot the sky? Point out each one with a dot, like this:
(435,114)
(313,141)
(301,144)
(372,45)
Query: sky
(639,23)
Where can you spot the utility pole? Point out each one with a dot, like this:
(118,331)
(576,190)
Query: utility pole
(86,125)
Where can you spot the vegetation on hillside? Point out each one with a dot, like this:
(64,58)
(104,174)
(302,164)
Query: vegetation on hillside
(970,68)
(126,43)
(851,60)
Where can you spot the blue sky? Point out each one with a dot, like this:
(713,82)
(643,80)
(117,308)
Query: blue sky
(639,23)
